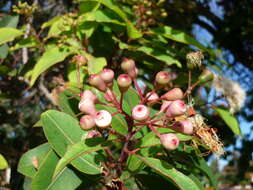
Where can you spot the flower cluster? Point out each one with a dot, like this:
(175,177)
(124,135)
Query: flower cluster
(174,113)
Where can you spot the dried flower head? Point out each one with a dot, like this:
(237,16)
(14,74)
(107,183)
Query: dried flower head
(206,135)
(233,92)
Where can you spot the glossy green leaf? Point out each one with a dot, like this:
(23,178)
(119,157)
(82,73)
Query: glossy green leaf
(25,165)
(153,52)
(27,42)
(62,130)
(161,167)
(96,64)
(64,103)
(4,51)
(57,25)
(179,36)
(230,120)
(9,21)
(3,163)
(101,16)
(131,30)
(50,57)
(74,151)
(43,178)
(9,34)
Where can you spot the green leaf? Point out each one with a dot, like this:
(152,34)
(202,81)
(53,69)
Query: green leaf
(25,165)
(28,42)
(86,7)
(170,173)
(57,25)
(161,56)
(74,151)
(153,52)
(230,120)
(65,104)
(131,30)
(9,21)
(43,178)
(101,16)
(62,130)
(50,57)
(179,36)
(4,51)
(96,64)
(9,34)
(3,163)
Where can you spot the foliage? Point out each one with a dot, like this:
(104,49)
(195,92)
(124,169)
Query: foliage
(104,32)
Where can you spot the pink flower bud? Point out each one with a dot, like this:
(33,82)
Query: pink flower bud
(133,73)
(97,82)
(140,112)
(127,64)
(170,141)
(103,118)
(87,122)
(92,134)
(165,106)
(176,108)
(87,106)
(152,97)
(174,94)
(107,75)
(124,81)
(184,127)
(162,78)
(82,60)
(88,95)
(108,96)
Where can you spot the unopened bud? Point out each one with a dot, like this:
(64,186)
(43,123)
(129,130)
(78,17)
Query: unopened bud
(184,127)
(127,65)
(87,106)
(88,95)
(165,106)
(176,108)
(194,59)
(140,112)
(162,78)
(107,75)
(206,76)
(87,122)
(97,82)
(80,59)
(133,73)
(170,141)
(152,97)
(103,118)
(174,94)
(124,81)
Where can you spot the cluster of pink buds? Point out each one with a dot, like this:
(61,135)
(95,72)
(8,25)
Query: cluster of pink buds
(173,113)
